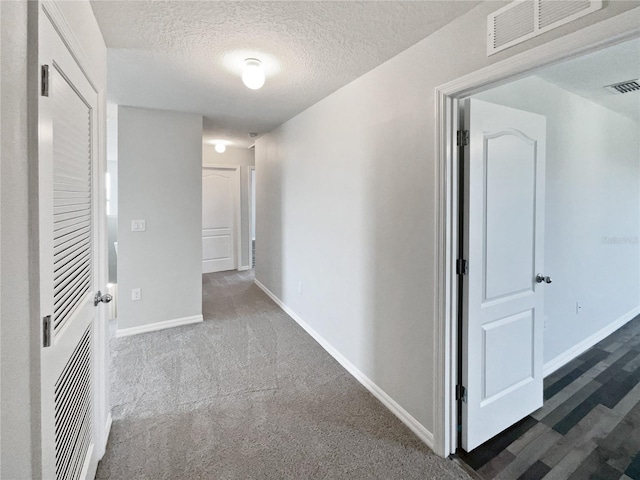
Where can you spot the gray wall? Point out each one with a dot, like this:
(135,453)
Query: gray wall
(592,194)
(345,203)
(19,349)
(159,166)
(244,158)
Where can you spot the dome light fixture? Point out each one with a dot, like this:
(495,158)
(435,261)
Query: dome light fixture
(253,74)
(220,147)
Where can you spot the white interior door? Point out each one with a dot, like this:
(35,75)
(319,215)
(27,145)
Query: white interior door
(68,260)
(220,206)
(503,310)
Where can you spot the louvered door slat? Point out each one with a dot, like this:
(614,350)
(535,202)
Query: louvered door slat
(80,253)
(71,180)
(77,260)
(63,188)
(73,410)
(70,289)
(62,201)
(72,218)
(65,426)
(71,208)
(64,390)
(62,314)
(70,286)
(72,243)
(66,234)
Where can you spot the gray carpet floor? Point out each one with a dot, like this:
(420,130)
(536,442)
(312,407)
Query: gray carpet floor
(247,394)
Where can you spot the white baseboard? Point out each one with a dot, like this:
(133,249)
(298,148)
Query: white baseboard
(405,417)
(243,268)
(152,327)
(107,430)
(564,358)
(90,467)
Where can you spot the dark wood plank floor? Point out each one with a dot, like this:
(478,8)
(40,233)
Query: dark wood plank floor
(589,426)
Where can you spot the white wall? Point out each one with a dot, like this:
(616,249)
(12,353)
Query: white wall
(244,158)
(592,199)
(346,206)
(19,285)
(159,167)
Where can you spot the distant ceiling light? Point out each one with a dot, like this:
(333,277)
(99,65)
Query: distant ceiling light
(253,75)
(220,147)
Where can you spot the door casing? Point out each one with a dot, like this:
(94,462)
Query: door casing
(250,201)
(607,33)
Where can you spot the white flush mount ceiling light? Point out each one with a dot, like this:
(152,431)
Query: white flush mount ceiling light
(253,74)
(220,147)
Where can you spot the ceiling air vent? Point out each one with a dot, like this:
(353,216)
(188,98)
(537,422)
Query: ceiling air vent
(525,19)
(624,87)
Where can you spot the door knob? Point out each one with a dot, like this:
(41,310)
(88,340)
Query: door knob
(106,298)
(541,278)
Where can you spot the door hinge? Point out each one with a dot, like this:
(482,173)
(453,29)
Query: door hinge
(461,393)
(46,331)
(44,81)
(462,267)
(463,138)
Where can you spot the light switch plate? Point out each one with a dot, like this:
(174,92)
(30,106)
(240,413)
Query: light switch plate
(138,225)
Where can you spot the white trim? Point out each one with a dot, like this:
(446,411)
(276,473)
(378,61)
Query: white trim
(405,417)
(445,332)
(107,429)
(153,327)
(603,34)
(252,234)
(238,208)
(564,358)
(219,166)
(90,466)
(243,268)
(58,20)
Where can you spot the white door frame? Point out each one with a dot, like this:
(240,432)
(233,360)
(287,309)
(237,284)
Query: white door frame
(595,37)
(237,207)
(250,210)
(102,409)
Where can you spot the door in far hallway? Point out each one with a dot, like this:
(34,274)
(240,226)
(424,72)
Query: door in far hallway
(220,207)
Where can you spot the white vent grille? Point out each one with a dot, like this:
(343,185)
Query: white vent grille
(552,12)
(73,411)
(524,19)
(513,23)
(624,87)
(71,201)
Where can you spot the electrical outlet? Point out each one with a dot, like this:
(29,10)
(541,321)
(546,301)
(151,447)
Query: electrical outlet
(136,294)
(138,225)
(300,288)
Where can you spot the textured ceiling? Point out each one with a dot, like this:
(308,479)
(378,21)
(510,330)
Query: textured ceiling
(188,56)
(587,75)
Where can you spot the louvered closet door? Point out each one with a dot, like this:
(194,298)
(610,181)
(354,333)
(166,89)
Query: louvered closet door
(67,211)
